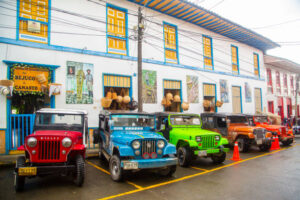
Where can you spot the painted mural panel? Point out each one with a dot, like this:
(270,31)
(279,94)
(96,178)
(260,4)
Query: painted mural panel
(79,84)
(149,86)
(248,94)
(192,89)
(224,91)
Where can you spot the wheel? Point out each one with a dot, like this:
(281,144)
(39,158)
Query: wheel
(243,144)
(80,171)
(116,172)
(287,143)
(19,180)
(169,171)
(101,156)
(218,158)
(184,156)
(264,147)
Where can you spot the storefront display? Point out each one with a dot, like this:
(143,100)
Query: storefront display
(209,97)
(172,95)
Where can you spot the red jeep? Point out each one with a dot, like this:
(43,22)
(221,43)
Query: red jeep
(56,146)
(285,136)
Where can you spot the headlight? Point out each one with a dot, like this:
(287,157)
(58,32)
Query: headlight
(160,144)
(31,142)
(217,137)
(136,144)
(66,142)
(198,138)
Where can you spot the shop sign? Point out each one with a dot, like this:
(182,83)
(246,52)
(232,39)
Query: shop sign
(25,79)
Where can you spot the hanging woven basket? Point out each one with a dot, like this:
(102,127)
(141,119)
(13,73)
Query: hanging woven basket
(185,106)
(169,96)
(177,99)
(41,78)
(219,103)
(105,102)
(206,103)
(6,83)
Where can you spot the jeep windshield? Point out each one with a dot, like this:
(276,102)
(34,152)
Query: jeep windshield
(261,119)
(132,122)
(185,120)
(238,120)
(52,121)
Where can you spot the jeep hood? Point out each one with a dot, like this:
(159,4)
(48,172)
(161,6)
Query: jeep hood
(271,127)
(126,137)
(243,128)
(61,133)
(193,131)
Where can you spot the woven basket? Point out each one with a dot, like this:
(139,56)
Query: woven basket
(185,106)
(163,101)
(109,95)
(206,103)
(119,99)
(6,83)
(105,102)
(177,99)
(126,99)
(169,96)
(41,78)
(219,103)
(168,103)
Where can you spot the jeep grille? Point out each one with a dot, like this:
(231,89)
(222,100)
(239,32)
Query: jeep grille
(259,133)
(208,141)
(49,150)
(148,146)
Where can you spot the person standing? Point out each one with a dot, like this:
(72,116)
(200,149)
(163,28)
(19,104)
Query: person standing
(80,76)
(89,82)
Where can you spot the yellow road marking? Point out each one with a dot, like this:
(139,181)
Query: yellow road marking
(107,172)
(197,168)
(191,176)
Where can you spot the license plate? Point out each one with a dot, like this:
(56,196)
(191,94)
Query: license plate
(27,171)
(131,165)
(259,141)
(202,153)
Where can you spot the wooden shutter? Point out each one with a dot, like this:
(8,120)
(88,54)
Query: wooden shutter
(117,81)
(256,70)
(170,44)
(209,90)
(257,96)
(234,60)
(207,52)
(236,100)
(170,84)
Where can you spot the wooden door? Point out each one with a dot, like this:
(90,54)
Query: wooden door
(236,99)
(258,103)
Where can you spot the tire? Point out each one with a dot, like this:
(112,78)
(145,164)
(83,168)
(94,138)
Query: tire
(101,156)
(19,180)
(115,169)
(243,145)
(218,159)
(169,171)
(80,171)
(184,156)
(264,147)
(287,143)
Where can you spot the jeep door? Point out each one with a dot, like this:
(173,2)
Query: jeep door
(106,131)
(221,125)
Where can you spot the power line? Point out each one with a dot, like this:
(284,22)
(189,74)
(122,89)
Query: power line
(277,24)
(216,4)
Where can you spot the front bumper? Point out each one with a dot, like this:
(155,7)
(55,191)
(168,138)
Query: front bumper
(151,163)
(263,141)
(48,170)
(286,138)
(210,151)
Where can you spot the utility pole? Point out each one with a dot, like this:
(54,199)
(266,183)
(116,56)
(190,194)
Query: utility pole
(140,38)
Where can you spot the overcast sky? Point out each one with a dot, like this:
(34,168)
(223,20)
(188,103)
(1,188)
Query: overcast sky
(262,16)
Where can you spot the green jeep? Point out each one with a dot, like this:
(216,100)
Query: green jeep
(184,131)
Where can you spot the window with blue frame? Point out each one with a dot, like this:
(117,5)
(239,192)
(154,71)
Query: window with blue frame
(235,59)
(171,46)
(116,30)
(33,21)
(208,54)
(256,65)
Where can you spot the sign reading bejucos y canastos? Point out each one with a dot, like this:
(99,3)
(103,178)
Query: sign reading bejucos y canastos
(25,79)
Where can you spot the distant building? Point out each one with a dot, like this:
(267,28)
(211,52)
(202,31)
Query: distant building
(281,86)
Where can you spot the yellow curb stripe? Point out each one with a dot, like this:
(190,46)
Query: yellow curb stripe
(107,172)
(197,168)
(191,176)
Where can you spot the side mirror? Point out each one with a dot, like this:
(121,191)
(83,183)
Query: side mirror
(110,123)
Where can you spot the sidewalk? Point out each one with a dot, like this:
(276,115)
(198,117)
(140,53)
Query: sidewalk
(10,160)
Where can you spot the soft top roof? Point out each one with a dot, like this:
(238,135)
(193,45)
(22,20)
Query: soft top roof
(123,112)
(62,111)
(222,114)
(165,114)
(256,115)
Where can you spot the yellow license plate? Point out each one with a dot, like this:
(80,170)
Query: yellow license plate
(27,171)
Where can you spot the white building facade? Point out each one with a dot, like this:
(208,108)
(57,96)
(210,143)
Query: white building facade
(281,86)
(187,51)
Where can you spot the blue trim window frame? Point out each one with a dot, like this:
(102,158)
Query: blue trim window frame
(181,110)
(235,64)
(214,84)
(108,35)
(211,52)
(170,49)
(30,37)
(256,68)
(119,75)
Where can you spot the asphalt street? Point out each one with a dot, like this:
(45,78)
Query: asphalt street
(260,175)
